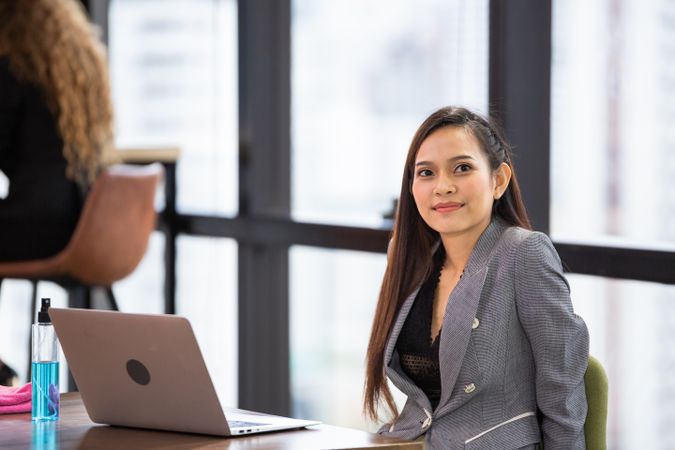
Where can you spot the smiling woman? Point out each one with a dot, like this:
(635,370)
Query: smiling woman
(454,189)
(454,186)
(474,321)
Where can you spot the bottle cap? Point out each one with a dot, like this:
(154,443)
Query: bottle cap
(43,315)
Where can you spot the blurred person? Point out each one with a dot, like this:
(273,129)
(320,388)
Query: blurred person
(55,122)
(474,321)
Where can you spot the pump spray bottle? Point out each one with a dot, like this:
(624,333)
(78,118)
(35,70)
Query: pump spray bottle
(45,366)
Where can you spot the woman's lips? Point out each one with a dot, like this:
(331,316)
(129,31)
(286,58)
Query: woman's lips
(447,207)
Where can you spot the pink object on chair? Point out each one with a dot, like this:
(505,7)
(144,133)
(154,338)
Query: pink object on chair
(15,400)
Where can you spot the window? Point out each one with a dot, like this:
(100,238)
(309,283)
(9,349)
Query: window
(364,75)
(207,296)
(173,71)
(613,172)
(332,303)
(613,104)
(631,332)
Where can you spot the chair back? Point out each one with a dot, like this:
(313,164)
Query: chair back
(597,389)
(114,228)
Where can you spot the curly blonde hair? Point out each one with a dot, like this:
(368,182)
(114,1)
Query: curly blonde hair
(52,44)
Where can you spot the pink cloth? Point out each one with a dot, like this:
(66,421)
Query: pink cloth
(15,399)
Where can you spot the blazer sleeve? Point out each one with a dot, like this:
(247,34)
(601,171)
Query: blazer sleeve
(559,341)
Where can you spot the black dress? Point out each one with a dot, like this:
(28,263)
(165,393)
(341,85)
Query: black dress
(418,353)
(42,207)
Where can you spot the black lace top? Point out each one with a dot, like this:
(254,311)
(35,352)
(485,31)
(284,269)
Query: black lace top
(417,352)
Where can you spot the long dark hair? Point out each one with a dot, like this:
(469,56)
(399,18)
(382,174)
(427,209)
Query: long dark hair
(409,258)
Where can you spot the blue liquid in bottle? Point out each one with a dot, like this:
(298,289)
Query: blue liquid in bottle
(45,390)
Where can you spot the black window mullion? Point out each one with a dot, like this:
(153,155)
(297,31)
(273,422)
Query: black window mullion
(520,91)
(264,191)
(98,12)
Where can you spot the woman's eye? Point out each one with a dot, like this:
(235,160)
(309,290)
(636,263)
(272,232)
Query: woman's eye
(424,173)
(463,168)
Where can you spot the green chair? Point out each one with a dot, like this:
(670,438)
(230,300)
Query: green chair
(595,428)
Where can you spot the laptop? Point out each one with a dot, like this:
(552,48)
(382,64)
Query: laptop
(147,371)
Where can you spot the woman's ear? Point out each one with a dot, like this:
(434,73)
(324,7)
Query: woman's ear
(502,178)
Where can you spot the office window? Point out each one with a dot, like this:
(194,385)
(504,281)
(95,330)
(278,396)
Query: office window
(333,294)
(207,296)
(613,106)
(613,180)
(143,290)
(364,75)
(174,78)
(631,329)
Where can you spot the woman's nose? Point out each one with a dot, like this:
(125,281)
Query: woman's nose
(444,186)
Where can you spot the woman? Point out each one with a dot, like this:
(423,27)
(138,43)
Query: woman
(474,321)
(55,122)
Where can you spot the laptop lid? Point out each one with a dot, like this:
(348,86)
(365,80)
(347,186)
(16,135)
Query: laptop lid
(147,371)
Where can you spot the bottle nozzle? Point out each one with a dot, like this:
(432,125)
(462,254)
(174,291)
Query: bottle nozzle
(43,315)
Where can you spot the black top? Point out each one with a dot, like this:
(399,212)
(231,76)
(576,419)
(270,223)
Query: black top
(42,207)
(417,352)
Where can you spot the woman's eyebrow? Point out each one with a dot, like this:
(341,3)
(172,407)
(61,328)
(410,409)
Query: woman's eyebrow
(453,159)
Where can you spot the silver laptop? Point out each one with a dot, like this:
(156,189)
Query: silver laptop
(146,371)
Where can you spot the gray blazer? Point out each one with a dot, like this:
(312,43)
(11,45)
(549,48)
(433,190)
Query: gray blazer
(512,354)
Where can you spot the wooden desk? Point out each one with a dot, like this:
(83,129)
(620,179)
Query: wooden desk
(167,156)
(74,430)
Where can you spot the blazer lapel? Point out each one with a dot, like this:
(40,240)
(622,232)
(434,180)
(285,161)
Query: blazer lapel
(456,331)
(461,310)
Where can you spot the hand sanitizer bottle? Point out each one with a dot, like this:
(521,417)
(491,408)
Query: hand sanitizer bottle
(45,367)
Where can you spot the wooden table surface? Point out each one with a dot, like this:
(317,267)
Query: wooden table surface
(74,430)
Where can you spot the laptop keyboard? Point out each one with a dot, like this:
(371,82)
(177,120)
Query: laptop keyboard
(241,424)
